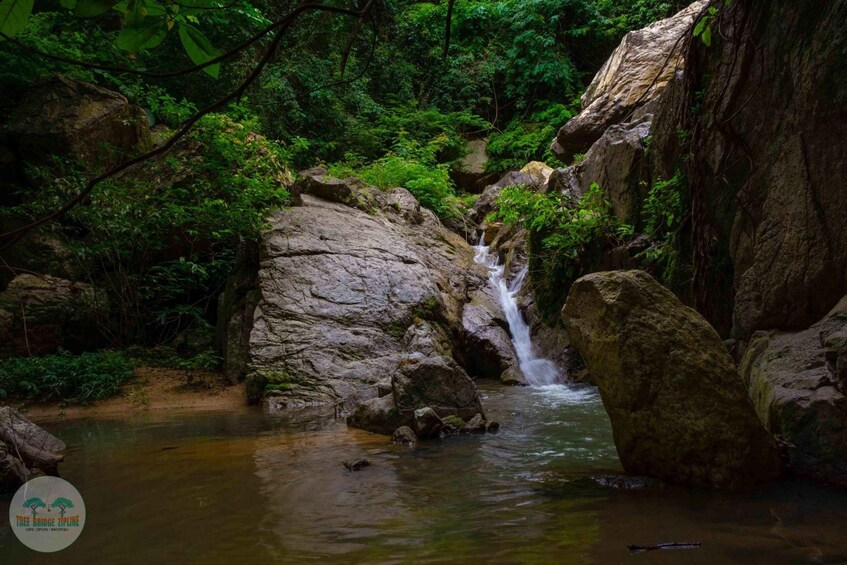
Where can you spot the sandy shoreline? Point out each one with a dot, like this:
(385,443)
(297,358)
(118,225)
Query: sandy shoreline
(151,390)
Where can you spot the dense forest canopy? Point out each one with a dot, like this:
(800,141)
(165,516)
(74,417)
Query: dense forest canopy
(376,89)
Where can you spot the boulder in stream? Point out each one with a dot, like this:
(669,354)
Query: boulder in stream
(678,407)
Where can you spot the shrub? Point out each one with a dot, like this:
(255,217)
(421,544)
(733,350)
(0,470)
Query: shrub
(62,376)
(412,166)
(565,236)
(664,214)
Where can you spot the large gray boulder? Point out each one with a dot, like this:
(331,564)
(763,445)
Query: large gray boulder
(343,276)
(796,382)
(678,407)
(635,74)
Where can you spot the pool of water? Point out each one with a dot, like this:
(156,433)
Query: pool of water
(249,487)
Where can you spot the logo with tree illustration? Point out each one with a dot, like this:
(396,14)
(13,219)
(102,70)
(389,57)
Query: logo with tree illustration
(47,514)
(33,504)
(62,504)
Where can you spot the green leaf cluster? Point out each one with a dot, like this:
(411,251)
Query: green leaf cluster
(65,377)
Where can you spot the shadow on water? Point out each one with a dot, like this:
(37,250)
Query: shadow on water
(249,487)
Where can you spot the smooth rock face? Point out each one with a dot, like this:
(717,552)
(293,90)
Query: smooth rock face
(342,279)
(793,379)
(678,407)
(635,74)
(64,116)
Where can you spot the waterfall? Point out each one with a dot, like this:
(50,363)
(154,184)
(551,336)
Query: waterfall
(536,370)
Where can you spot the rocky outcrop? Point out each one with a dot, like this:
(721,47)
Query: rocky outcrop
(796,381)
(678,407)
(634,75)
(617,163)
(39,314)
(344,275)
(26,450)
(470,174)
(64,116)
(489,348)
(770,161)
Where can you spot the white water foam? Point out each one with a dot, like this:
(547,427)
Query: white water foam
(537,371)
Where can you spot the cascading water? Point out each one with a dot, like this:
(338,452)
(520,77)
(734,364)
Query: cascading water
(536,370)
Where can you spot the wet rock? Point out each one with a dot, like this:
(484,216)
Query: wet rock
(795,392)
(40,314)
(679,409)
(476,425)
(625,482)
(404,436)
(427,424)
(64,116)
(492,427)
(377,415)
(438,383)
(635,74)
(487,342)
(356,464)
(512,377)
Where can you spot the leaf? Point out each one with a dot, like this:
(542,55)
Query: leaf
(13,16)
(150,35)
(141,31)
(92,8)
(701,25)
(707,36)
(199,48)
(68,4)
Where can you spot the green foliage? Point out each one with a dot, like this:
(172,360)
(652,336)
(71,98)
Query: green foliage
(522,142)
(564,235)
(13,16)
(79,379)
(163,239)
(412,166)
(664,212)
(704,26)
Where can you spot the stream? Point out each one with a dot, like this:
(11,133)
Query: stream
(251,487)
(255,487)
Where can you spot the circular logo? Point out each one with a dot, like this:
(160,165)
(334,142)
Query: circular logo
(47,514)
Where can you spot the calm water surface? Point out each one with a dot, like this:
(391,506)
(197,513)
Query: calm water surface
(249,487)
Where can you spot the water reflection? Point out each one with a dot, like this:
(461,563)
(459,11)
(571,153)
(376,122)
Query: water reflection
(255,488)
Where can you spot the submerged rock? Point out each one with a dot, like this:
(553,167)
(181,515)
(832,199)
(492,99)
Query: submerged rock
(793,379)
(438,383)
(635,74)
(678,407)
(356,464)
(404,436)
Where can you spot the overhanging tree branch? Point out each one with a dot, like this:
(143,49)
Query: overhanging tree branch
(13,236)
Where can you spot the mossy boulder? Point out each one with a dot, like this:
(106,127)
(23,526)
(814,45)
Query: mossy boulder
(793,379)
(678,407)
